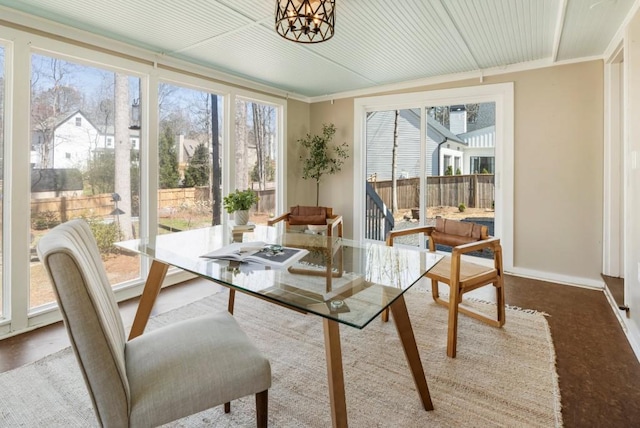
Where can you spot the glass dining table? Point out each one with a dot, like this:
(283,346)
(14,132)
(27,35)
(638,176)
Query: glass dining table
(339,281)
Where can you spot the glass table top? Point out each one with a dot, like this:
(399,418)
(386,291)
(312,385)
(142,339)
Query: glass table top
(343,280)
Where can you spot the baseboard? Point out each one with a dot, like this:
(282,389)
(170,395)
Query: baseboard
(575,281)
(633,335)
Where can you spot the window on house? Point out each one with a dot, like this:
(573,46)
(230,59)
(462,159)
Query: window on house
(78,121)
(109,173)
(482,165)
(446,165)
(109,142)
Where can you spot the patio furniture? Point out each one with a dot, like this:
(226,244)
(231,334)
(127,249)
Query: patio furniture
(459,273)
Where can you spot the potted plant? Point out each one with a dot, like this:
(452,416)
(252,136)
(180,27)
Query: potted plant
(239,203)
(321,157)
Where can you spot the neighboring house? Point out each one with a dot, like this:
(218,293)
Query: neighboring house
(185,150)
(75,141)
(467,151)
(443,147)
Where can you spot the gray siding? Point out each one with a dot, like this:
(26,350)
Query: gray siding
(380,143)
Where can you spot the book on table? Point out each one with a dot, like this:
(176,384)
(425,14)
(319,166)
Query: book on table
(258,252)
(249,227)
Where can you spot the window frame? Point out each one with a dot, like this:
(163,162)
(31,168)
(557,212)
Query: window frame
(19,46)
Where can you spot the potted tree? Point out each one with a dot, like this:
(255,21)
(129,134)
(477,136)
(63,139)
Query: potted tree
(321,158)
(239,203)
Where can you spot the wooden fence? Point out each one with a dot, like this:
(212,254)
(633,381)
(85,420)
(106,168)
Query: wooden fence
(474,190)
(66,208)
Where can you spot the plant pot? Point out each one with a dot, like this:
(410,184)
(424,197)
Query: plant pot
(241,217)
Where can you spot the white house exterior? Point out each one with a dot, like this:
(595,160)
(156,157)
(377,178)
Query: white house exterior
(443,147)
(75,140)
(465,151)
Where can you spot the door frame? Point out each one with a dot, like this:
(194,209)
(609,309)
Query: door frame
(502,94)
(614,143)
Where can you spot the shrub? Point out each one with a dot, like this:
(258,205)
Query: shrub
(106,235)
(449,170)
(45,220)
(462,207)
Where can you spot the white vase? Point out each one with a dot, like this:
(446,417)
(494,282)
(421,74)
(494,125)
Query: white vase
(241,217)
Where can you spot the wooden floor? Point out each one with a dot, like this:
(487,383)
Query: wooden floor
(598,371)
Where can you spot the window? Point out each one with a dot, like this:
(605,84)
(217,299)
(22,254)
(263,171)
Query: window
(190,130)
(2,291)
(482,165)
(447,168)
(71,161)
(78,121)
(256,156)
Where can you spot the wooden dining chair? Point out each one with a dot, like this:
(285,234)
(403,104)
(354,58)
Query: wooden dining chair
(169,373)
(459,274)
(302,218)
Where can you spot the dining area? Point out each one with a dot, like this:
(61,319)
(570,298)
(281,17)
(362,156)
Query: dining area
(315,348)
(349,283)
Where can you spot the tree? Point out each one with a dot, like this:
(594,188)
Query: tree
(50,104)
(197,173)
(394,161)
(100,175)
(321,158)
(123,154)
(169,175)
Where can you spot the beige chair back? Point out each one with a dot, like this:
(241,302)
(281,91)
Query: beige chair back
(91,316)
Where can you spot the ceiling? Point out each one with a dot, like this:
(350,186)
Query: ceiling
(376,42)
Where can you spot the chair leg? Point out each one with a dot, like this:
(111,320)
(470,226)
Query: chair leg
(500,302)
(385,315)
(435,292)
(452,335)
(262,409)
(227,407)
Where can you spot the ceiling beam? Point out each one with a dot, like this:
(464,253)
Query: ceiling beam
(562,11)
(442,11)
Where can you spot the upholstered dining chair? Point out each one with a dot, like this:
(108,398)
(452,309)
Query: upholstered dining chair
(163,375)
(316,219)
(459,274)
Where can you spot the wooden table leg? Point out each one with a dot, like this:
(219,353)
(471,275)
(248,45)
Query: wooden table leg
(405,331)
(149,295)
(232,300)
(334,373)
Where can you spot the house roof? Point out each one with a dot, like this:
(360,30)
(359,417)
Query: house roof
(376,42)
(435,130)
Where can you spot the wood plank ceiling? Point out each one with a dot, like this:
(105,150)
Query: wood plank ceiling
(376,42)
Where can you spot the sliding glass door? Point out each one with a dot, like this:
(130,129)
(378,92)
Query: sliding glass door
(437,154)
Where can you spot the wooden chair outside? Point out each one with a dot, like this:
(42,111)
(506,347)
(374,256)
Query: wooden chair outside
(461,275)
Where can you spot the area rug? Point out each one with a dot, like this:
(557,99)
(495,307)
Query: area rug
(501,377)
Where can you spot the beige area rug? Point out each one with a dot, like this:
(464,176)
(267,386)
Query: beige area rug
(501,377)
